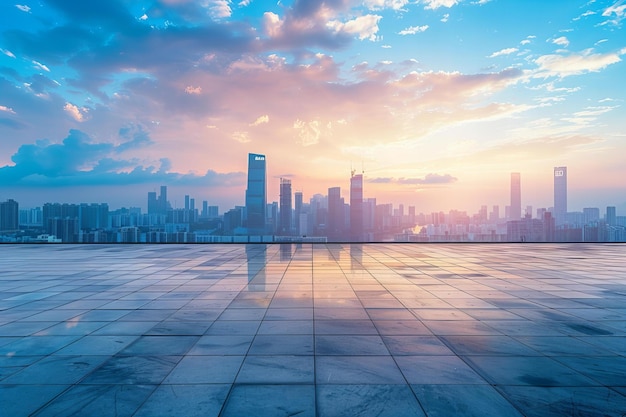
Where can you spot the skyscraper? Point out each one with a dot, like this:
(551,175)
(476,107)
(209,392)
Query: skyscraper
(516,196)
(560,195)
(298,212)
(334,229)
(611,218)
(356,207)
(153,205)
(285,207)
(256,194)
(9,215)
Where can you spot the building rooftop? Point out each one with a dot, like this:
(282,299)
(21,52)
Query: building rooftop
(313,330)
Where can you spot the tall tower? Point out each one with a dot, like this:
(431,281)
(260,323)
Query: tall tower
(516,196)
(298,212)
(256,194)
(560,195)
(356,207)
(163,206)
(285,207)
(335,226)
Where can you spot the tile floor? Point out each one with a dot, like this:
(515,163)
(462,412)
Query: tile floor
(313,330)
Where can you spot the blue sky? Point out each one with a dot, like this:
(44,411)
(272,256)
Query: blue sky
(437,100)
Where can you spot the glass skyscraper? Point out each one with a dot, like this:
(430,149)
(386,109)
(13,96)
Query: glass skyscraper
(256,194)
(516,196)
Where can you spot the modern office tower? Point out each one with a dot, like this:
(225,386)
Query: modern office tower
(192,204)
(529,212)
(298,212)
(560,195)
(412,216)
(516,196)
(153,204)
(186,202)
(205,209)
(356,207)
(369,217)
(162,201)
(9,215)
(611,218)
(334,229)
(271,218)
(256,194)
(285,207)
(213,212)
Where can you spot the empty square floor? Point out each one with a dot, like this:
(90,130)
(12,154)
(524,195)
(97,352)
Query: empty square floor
(313,330)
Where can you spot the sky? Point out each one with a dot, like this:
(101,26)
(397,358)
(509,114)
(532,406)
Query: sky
(436,102)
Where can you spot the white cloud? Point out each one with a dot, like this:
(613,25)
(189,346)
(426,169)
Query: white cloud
(386,46)
(365,27)
(7,53)
(193,90)
(41,66)
(445,17)
(261,120)
(413,30)
(618,9)
(575,63)
(562,41)
(506,51)
(144,17)
(219,8)
(435,4)
(601,41)
(385,4)
(272,24)
(244,3)
(241,137)
(7,109)
(74,111)
(23,7)
(308,132)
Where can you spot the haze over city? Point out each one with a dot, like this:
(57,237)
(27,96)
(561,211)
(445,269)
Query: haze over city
(437,101)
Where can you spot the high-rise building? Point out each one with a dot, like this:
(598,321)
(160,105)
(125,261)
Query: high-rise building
(611,218)
(516,196)
(153,205)
(334,229)
(162,203)
(256,194)
(356,207)
(298,212)
(560,195)
(186,202)
(285,207)
(9,215)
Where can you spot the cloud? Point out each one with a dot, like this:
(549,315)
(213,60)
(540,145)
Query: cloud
(7,53)
(241,137)
(7,109)
(445,18)
(219,9)
(193,90)
(429,179)
(435,4)
(575,63)
(40,66)
(506,51)
(23,8)
(618,9)
(74,111)
(412,30)
(309,133)
(261,120)
(385,4)
(562,41)
(78,160)
(364,27)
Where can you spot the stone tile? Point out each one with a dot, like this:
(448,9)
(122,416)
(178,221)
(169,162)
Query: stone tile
(366,401)
(357,370)
(271,401)
(464,400)
(205,370)
(200,400)
(280,369)
(448,370)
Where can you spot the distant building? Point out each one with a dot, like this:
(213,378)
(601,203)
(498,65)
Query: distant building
(516,196)
(298,212)
(285,207)
(256,194)
(611,218)
(356,207)
(335,227)
(9,216)
(560,195)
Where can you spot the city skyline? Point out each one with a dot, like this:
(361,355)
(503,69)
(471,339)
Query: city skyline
(436,101)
